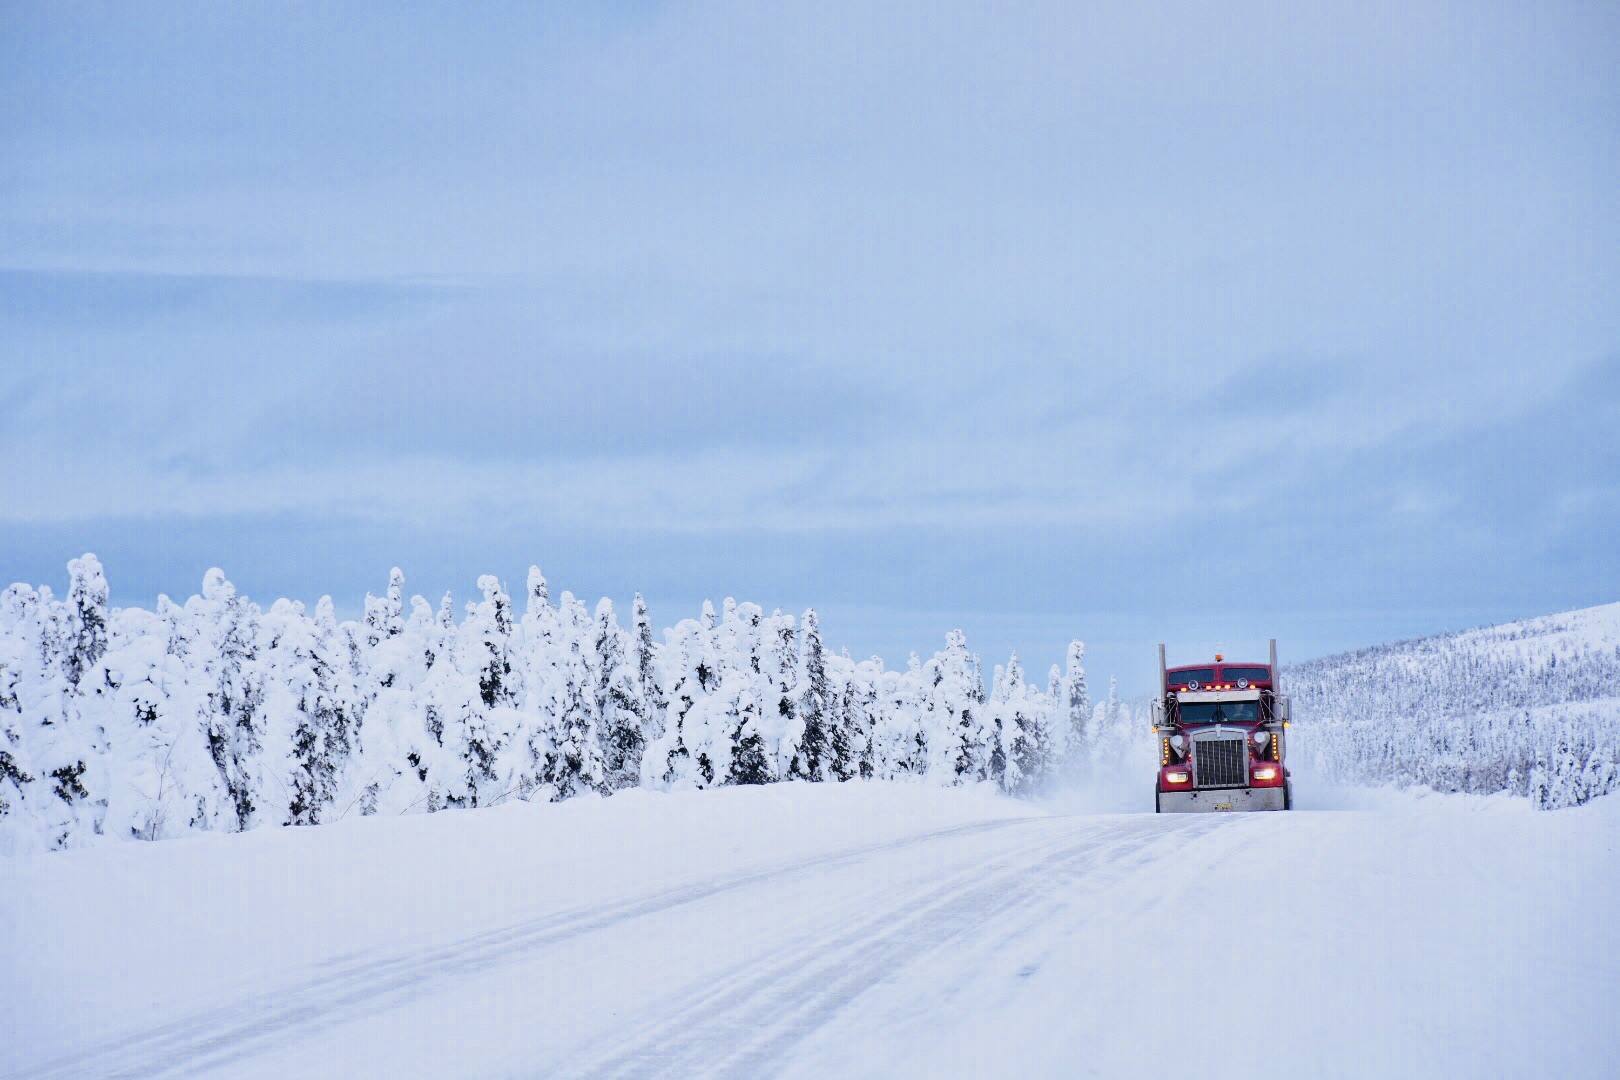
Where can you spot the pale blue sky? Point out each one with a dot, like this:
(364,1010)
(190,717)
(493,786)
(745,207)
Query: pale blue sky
(1191,322)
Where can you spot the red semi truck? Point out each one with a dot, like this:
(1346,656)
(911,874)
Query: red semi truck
(1221,730)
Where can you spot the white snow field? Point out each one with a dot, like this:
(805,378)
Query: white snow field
(857,929)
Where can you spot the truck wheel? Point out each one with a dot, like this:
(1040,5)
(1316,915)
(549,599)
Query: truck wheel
(1157,809)
(1288,794)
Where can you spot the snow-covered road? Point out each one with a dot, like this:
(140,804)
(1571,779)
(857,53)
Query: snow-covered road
(829,930)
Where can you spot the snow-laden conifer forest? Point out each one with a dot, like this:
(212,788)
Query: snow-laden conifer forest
(216,714)
(1529,707)
(219,715)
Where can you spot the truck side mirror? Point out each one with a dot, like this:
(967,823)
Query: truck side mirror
(1280,709)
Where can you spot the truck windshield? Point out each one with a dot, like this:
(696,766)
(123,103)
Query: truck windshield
(1214,712)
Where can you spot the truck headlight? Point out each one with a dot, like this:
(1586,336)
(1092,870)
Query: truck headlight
(1266,772)
(1177,776)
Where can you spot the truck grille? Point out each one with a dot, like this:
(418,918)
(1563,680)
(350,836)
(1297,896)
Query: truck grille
(1220,763)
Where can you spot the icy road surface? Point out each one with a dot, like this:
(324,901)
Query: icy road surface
(829,930)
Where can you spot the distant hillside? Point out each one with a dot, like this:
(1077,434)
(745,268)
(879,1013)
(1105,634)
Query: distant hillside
(1530,706)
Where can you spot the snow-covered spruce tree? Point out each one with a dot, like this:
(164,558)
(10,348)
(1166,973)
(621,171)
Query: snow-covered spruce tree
(749,763)
(561,717)
(453,714)
(414,744)
(952,714)
(897,749)
(618,702)
(87,617)
(394,607)
(58,733)
(1074,703)
(48,805)
(715,728)
(993,760)
(1054,695)
(223,651)
(814,705)
(745,686)
(16,779)
(856,691)
(573,762)
(1600,774)
(669,761)
(778,705)
(485,722)
(168,783)
(385,615)
(76,743)
(920,683)
(1023,725)
(309,705)
(346,691)
(644,662)
(718,727)
(487,637)
(292,713)
(540,627)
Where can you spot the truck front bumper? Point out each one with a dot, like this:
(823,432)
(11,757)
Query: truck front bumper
(1220,799)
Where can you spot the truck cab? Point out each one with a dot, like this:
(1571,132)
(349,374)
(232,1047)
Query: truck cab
(1222,734)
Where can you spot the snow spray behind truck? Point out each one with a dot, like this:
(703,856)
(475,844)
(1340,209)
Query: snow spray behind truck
(1221,730)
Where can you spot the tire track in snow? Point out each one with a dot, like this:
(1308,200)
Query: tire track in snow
(758,1012)
(350,991)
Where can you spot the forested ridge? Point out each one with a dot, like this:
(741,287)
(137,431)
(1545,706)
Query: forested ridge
(1530,707)
(215,714)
